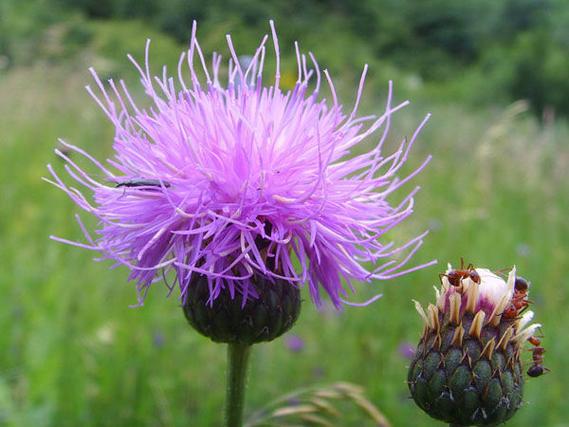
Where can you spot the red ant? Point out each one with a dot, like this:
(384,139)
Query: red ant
(511,312)
(519,299)
(455,277)
(537,368)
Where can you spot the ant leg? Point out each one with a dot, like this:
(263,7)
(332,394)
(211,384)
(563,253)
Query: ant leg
(504,314)
(523,309)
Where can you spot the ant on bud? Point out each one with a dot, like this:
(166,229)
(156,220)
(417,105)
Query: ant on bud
(519,299)
(537,369)
(511,312)
(456,276)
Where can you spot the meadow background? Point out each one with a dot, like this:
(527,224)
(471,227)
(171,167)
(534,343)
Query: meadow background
(495,76)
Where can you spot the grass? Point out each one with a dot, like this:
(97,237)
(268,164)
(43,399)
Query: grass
(73,353)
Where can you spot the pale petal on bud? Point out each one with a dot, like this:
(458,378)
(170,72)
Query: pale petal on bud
(526,318)
(492,287)
(421,312)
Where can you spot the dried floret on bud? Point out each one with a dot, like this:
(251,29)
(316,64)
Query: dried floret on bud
(467,369)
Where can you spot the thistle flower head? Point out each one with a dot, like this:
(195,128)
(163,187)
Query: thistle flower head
(229,180)
(467,369)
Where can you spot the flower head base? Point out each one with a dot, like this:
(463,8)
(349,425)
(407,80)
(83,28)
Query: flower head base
(271,314)
(467,368)
(231,181)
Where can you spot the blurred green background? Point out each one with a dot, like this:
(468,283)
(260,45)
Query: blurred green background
(495,75)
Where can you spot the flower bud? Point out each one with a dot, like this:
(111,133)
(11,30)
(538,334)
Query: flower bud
(227,319)
(467,368)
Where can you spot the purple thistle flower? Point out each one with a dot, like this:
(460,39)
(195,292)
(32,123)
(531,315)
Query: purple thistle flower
(229,181)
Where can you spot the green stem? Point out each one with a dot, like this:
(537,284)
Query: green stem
(237,356)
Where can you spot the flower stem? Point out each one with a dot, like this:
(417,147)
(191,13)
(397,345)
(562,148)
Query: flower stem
(237,357)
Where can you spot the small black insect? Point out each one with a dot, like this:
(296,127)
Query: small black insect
(143,183)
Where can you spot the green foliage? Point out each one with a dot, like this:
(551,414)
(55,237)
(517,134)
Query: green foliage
(539,72)
(21,25)
(512,49)
(112,40)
